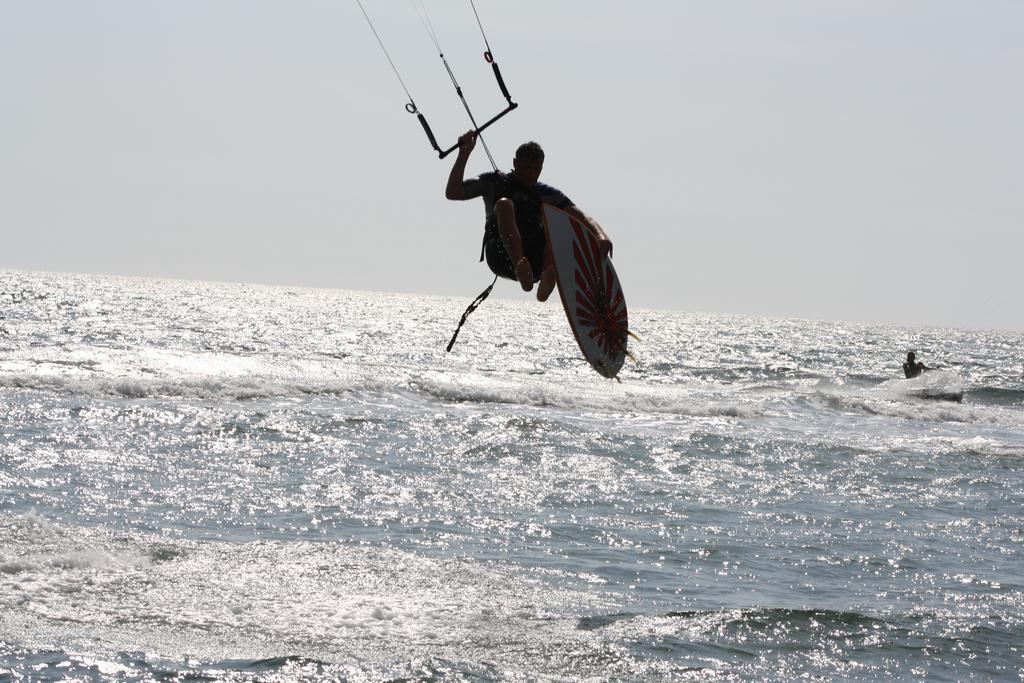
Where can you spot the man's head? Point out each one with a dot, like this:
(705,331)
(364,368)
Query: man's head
(528,164)
(910,356)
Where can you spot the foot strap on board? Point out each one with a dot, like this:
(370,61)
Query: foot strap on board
(472,307)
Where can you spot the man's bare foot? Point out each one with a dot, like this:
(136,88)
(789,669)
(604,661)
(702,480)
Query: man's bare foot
(547,283)
(524,273)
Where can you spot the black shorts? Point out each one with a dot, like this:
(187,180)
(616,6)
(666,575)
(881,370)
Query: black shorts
(501,265)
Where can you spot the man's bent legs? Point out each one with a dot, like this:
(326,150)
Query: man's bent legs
(505,212)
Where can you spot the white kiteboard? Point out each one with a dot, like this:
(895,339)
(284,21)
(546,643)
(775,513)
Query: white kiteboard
(590,292)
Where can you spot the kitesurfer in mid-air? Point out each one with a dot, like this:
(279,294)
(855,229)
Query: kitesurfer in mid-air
(912,367)
(514,242)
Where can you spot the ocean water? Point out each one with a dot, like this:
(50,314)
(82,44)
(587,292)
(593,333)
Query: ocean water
(226,482)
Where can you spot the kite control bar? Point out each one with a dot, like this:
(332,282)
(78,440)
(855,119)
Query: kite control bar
(442,153)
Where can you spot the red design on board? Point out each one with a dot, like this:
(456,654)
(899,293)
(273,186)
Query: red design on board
(600,306)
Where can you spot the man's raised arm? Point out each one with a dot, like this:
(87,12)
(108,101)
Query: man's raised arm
(456,177)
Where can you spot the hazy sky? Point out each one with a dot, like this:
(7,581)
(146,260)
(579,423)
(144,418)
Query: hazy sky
(833,160)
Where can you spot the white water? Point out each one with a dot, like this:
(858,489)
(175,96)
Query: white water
(252,482)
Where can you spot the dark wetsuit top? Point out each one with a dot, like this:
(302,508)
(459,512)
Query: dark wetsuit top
(527,200)
(912,370)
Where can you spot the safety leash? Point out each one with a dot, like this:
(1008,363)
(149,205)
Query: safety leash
(472,307)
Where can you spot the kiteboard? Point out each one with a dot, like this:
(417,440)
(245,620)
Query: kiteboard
(590,291)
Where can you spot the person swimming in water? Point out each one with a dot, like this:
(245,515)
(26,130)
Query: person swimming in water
(913,367)
(514,243)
